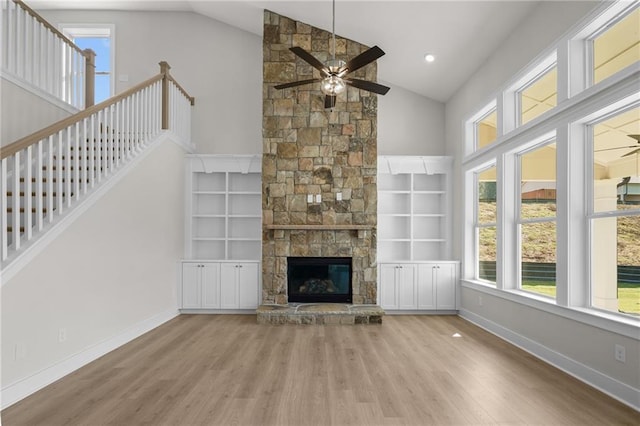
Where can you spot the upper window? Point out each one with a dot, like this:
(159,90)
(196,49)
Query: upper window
(98,39)
(539,96)
(486,220)
(537,220)
(617,47)
(485,129)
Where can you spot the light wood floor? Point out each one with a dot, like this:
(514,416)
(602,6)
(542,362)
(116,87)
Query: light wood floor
(228,370)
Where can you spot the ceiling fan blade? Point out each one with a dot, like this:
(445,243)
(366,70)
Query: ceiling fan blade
(636,137)
(368,86)
(634,152)
(310,59)
(362,59)
(329,101)
(296,83)
(613,149)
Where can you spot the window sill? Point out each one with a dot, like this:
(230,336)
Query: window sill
(625,326)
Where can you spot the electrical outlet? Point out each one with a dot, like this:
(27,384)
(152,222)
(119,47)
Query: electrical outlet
(479,300)
(339,196)
(318,198)
(309,198)
(620,353)
(62,335)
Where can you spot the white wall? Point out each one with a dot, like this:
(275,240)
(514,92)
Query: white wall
(113,268)
(222,67)
(218,64)
(582,348)
(22,112)
(409,124)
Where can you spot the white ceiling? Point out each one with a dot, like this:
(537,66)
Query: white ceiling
(461,34)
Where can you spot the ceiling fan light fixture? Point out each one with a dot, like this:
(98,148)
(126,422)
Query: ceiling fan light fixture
(332,85)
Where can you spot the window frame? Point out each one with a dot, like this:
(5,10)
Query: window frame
(481,225)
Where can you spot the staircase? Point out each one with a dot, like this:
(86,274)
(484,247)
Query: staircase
(47,174)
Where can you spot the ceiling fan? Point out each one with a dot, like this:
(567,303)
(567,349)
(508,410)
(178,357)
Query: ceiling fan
(333,81)
(637,150)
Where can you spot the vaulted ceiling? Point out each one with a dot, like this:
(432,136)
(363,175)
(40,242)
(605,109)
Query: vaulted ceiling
(461,34)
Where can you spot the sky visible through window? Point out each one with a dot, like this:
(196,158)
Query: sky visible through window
(102,47)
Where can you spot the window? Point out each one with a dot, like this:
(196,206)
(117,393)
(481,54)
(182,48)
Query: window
(486,219)
(539,96)
(568,182)
(485,129)
(100,40)
(537,220)
(617,47)
(615,221)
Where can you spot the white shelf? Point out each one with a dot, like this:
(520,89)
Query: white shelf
(224,208)
(413,208)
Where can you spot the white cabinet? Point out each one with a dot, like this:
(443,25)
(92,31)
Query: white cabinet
(414,208)
(437,286)
(200,285)
(397,286)
(238,287)
(220,285)
(422,286)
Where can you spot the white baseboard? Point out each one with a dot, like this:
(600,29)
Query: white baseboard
(612,387)
(25,387)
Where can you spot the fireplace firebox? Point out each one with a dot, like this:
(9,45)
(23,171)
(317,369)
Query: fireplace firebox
(319,279)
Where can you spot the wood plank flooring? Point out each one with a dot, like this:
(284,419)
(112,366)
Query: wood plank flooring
(228,370)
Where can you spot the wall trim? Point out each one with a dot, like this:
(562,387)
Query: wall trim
(51,232)
(23,388)
(610,386)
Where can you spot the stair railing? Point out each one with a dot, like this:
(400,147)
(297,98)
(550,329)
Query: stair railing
(44,175)
(35,52)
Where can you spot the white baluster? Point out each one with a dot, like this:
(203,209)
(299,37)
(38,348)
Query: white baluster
(76,161)
(4,240)
(85,156)
(50,186)
(39,184)
(15,235)
(59,175)
(28,193)
(68,169)
(92,152)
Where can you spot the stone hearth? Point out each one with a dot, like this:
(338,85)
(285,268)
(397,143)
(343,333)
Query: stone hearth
(319,313)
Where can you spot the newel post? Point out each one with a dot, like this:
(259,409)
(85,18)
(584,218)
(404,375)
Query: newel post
(164,70)
(90,77)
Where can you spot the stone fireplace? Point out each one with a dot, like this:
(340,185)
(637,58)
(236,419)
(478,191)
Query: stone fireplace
(319,166)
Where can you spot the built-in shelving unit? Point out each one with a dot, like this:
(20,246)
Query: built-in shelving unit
(224,207)
(413,208)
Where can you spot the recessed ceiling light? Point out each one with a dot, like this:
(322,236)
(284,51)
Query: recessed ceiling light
(429,57)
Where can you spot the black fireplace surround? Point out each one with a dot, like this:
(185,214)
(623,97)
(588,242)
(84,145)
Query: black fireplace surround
(319,279)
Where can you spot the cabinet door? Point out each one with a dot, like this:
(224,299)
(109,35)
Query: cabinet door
(229,286)
(210,279)
(406,286)
(446,287)
(426,286)
(388,286)
(191,286)
(248,285)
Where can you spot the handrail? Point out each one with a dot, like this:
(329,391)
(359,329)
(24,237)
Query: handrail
(49,26)
(33,138)
(26,141)
(192,100)
(45,174)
